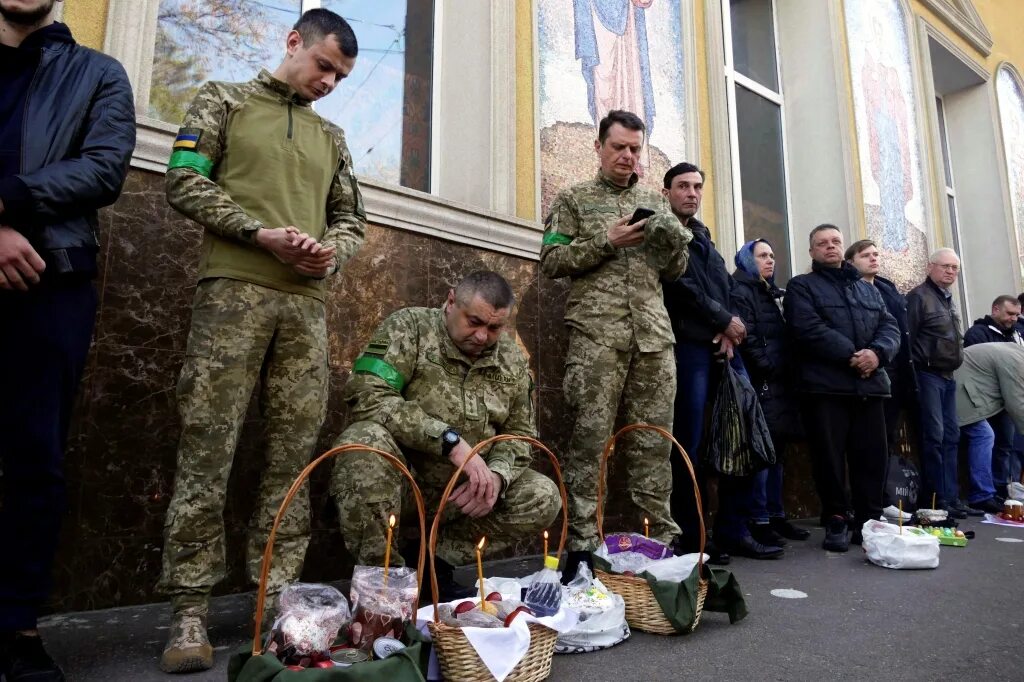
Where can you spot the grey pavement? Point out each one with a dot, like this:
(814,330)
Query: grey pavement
(961,621)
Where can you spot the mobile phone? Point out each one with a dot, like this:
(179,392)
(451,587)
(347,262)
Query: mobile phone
(639,214)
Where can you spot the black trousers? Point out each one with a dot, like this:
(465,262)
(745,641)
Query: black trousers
(847,432)
(44,341)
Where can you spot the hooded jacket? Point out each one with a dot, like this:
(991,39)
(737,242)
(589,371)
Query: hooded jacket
(985,330)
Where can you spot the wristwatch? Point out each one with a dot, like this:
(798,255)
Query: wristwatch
(449,439)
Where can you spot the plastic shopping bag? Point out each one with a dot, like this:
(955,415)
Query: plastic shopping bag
(602,621)
(887,547)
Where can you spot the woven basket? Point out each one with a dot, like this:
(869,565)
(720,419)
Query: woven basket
(642,610)
(261,593)
(457,657)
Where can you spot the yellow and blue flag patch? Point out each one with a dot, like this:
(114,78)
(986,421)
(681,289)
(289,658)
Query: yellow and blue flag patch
(188,139)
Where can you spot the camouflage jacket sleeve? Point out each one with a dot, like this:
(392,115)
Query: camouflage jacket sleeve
(509,459)
(197,150)
(565,252)
(346,217)
(380,373)
(677,248)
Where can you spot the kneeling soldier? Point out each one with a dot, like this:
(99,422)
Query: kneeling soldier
(431,384)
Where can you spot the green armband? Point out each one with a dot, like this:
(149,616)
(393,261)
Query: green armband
(377,367)
(556,238)
(185,159)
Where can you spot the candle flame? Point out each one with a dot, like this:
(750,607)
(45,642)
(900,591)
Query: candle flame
(391,520)
(480,545)
(545,535)
(645,520)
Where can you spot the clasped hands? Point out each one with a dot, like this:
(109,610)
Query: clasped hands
(474,497)
(293,247)
(864,361)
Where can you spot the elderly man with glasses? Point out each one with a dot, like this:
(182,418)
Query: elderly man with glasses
(936,346)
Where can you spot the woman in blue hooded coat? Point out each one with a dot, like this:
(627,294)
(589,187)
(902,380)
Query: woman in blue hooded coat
(759,302)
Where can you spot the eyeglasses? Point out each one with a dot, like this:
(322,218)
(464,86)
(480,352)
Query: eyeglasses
(947,267)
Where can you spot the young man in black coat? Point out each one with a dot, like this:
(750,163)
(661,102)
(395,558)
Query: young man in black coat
(864,256)
(67,132)
(842,338)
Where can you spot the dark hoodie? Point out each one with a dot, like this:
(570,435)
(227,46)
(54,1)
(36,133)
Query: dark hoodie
(986,330)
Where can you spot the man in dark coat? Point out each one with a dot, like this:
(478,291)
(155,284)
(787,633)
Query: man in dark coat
(707,331)
(936,346)
(67,132)
(842,338)
(999,326)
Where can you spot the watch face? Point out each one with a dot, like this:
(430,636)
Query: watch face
(451,437)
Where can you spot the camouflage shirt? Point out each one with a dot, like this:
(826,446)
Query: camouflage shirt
(413,380)
(615,297)
(252,155)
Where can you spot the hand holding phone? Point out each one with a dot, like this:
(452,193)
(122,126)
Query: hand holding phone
(640,214)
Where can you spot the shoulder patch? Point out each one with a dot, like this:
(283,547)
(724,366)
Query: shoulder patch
(188,139)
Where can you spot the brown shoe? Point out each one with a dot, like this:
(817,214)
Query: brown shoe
(188,648)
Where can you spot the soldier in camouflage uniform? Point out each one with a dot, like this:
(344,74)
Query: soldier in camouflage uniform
(272,184)
(620,338)
(431,384)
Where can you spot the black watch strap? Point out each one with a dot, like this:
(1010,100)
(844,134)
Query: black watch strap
(449,439)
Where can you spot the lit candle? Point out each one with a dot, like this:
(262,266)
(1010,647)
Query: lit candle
(545,543)
(480,568)
(387,550)
(647,528)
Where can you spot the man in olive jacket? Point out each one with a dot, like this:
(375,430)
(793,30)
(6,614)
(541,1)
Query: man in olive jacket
(842,337)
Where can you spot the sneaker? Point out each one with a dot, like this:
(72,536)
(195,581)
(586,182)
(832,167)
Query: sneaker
(893,512)
(27,661)
(836,537)
(752,549)
(188,648)
(989,506)
(766,535)
(783,527)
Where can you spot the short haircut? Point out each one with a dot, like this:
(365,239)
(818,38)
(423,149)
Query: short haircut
(859,246)
(316,24)
(681,169)
(488,285)
(626,119)
(821,228)
(1004,299)
(1020,297)
(935,254)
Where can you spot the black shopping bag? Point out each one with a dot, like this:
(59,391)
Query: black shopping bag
(902,483)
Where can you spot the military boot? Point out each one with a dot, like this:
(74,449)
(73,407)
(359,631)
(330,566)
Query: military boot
(188,648)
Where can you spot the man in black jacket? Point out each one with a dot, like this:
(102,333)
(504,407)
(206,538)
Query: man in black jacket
(842,338)
(1001,325)
(936,346)
(67,131)
(706,329)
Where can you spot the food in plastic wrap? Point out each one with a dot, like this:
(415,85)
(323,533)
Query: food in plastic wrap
(310,616)
(631,552)
(674,569)
(586,594)
(380,610)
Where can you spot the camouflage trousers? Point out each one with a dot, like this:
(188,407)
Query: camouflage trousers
(598,380)
(242,333)
(368,489)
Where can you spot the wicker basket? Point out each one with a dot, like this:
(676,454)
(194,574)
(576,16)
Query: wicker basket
(261,594)
(642,610)
(457,657)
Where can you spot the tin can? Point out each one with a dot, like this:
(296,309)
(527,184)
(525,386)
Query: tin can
(385,646)
(346,657)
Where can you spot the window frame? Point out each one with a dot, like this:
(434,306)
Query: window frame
(732,79)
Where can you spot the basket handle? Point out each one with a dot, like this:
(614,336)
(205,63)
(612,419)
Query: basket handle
(602,476)
(261,593)
(451,486)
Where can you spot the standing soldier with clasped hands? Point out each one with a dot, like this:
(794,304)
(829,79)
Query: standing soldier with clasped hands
(620,337)
(273,186)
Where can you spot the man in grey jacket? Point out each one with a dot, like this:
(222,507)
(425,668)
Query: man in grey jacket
(990,382)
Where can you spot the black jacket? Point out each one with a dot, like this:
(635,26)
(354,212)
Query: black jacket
(831,313)
(985,330)
(698,303)
(77,141)
(764,351)
(901,368)
(936,344)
